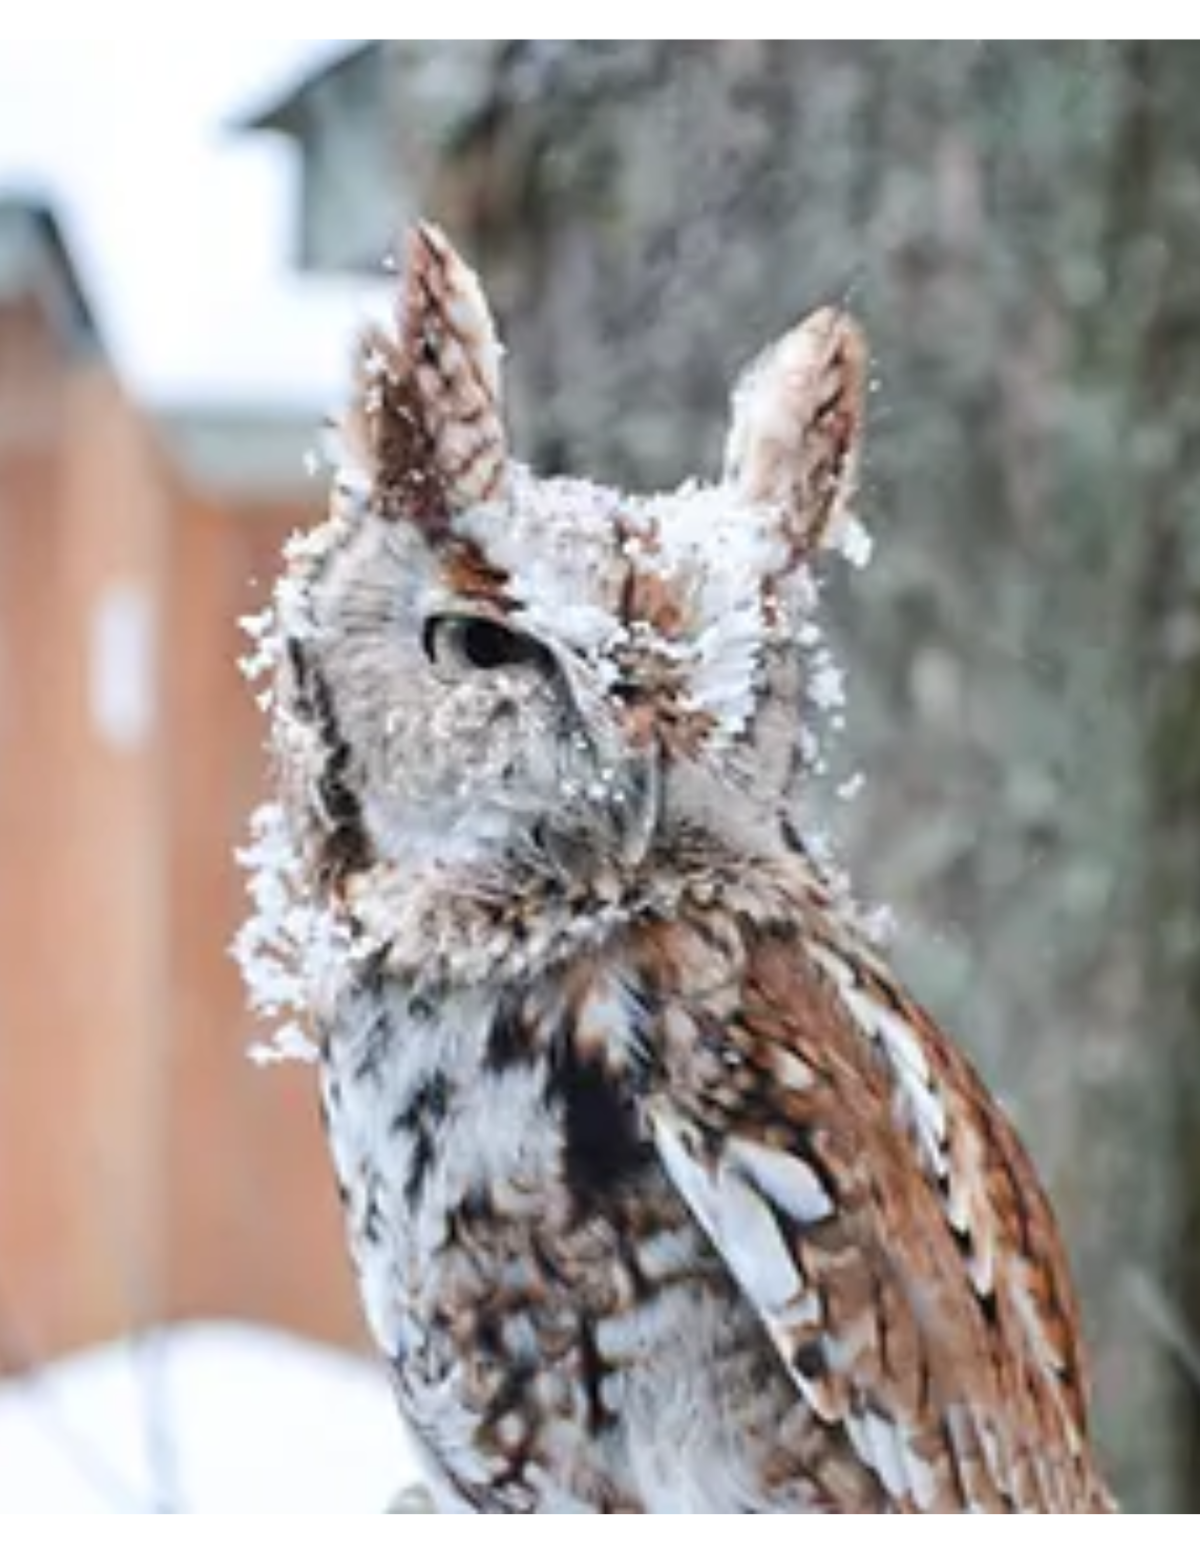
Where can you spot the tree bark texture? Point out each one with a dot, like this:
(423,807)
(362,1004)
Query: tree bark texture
(1018,225)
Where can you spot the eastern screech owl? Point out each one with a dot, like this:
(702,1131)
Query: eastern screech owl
(665,1198)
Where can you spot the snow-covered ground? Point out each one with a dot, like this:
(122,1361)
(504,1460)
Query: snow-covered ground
(204,1419)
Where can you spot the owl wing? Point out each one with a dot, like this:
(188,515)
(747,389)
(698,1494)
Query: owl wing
(877,1210)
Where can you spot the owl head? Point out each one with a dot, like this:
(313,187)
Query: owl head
(485,671)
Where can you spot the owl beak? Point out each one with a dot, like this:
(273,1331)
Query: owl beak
(627,749)
(638,806)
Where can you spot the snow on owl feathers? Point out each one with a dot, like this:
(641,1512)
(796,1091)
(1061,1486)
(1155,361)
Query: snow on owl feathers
(664,1197)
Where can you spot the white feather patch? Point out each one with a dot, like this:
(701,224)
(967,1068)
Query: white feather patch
(742,1203)
(785,1180)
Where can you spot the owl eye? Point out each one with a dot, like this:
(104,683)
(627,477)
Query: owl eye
(469,642)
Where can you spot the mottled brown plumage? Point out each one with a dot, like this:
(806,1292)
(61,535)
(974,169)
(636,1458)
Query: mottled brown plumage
(664,1196)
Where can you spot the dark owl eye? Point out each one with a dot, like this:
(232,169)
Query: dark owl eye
(470,642)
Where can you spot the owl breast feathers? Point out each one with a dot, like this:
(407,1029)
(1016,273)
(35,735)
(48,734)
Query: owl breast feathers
(664,1197)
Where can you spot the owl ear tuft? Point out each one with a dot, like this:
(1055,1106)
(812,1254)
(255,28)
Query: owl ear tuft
(426,419)
(796,437)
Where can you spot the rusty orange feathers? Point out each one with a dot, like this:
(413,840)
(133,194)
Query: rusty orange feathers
(665,1197)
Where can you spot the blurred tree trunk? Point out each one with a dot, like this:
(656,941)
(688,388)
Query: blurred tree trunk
(1157,219)
(1019,226)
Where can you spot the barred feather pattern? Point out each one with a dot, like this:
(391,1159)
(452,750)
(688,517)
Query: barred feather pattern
(427,420)
(664,1196)
(706,1219)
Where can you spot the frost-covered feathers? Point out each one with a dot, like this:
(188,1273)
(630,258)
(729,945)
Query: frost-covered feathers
(638,656)
(427,419)
(797,427)
(665,1196)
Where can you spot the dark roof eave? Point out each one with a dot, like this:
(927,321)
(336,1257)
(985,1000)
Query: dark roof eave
(75,310)
(284,112)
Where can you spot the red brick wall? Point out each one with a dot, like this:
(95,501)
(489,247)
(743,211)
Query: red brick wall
(254,1224)
(146,1168)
